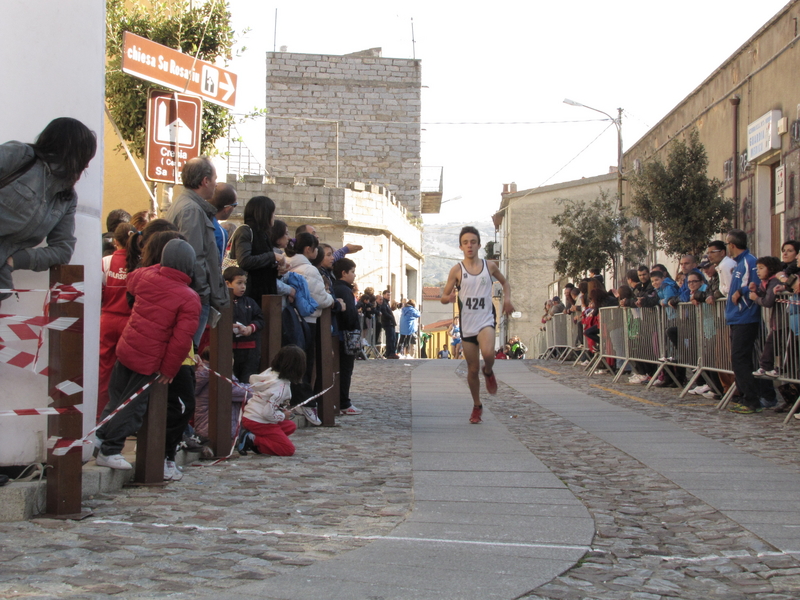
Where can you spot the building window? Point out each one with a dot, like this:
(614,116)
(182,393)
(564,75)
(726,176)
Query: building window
(791,190)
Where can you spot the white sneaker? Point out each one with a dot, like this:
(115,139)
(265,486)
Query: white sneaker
(311,415)
(171,471)
(699,390)
(637,379)
(115,461)
(710,394)
(351,410)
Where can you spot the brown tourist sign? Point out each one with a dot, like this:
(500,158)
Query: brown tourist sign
(177,71)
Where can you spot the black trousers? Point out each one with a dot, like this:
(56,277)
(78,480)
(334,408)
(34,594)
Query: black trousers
(123,383)
(346,364)
(246,362)
(180,408)
(743,339)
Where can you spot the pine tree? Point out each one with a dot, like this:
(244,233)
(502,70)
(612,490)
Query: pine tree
(684,205)
(595,235)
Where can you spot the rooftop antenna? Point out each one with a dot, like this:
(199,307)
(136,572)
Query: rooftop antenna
(413,41)
(275,34)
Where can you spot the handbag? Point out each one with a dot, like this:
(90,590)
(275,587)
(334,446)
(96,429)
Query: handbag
(352,342)
(227,261)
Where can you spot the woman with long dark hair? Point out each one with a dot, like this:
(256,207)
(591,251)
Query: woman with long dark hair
(38,199)
(251,248)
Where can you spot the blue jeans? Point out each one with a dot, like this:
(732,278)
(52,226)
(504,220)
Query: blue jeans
(391,340)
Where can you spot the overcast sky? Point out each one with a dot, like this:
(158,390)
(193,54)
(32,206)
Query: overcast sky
(513,62)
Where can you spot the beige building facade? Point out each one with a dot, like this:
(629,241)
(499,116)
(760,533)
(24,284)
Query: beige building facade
(526,234)
(747,113)
(367,215)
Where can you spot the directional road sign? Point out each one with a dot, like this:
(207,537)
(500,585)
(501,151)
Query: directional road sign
(173,134)
(177,71)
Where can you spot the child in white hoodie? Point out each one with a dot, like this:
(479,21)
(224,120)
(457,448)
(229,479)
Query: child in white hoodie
(265,426)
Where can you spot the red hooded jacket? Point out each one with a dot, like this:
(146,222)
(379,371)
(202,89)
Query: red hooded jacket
(158,336)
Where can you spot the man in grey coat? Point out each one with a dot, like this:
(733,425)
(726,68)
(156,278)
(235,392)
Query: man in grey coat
(193,215)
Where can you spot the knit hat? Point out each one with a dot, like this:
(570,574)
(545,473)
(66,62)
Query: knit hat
(179,255)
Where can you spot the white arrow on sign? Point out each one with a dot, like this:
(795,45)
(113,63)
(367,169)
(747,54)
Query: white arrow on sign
(227,85)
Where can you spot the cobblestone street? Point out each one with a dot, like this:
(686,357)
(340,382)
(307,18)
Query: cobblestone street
(256,517)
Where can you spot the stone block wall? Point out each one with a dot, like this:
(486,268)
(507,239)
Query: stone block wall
(376,102)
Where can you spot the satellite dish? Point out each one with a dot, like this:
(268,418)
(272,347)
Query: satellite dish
(516,314)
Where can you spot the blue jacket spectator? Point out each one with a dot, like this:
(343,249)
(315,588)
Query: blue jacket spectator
(408,320)
(745,310)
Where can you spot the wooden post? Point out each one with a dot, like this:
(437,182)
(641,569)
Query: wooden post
(271,336)
(328,406)
(219,390)
(65,363)
(152,438)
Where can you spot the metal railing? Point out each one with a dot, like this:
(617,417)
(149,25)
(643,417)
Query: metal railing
(692,337)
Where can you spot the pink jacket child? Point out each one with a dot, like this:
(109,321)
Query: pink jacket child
(156,341)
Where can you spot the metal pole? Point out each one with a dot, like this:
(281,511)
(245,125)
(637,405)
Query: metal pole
(337,154)
(619,158)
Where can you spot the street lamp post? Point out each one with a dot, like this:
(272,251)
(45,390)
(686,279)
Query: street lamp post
(618,124)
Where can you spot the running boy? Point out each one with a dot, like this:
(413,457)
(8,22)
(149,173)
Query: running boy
(472,277)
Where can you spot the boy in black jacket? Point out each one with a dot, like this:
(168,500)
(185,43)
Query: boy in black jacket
(248,320)
(344,270)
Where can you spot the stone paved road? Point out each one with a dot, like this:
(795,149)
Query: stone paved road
(655,540)
(260,516)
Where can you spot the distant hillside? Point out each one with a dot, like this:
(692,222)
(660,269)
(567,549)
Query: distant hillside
(440,247)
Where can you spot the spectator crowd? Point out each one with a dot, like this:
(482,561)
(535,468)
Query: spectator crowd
(727,273)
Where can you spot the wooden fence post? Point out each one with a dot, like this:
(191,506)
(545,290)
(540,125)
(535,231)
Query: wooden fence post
(271,336)
(65,363)
(152,438)
(329,403)
(219,390)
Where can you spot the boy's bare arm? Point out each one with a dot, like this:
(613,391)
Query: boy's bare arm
(494,271)
(449,293)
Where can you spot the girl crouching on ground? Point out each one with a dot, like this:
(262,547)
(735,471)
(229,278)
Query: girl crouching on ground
(265,426)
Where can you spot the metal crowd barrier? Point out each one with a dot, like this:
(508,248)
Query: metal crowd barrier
(613,343)
(369,335)
(702,342)
(550,337)
(787,345)
(539,345)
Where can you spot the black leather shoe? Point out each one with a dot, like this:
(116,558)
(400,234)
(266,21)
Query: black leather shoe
(3,480)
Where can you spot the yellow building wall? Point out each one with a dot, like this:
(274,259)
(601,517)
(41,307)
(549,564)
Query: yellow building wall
(122,187)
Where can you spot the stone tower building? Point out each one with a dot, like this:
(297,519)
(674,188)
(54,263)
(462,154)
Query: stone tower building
(360,108)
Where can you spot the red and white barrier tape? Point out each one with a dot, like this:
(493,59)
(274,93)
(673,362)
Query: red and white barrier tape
(27,412)
(60,446)
(20,327)
(59,391)
(19,358)
(73,292)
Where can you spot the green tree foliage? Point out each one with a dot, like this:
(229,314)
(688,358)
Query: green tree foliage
(595,235)
(180,26)
(685,206)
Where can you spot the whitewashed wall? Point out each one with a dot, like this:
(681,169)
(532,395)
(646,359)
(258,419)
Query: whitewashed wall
(53,66)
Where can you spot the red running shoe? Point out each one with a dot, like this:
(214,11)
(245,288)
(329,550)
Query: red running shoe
(491,383)
(475,417)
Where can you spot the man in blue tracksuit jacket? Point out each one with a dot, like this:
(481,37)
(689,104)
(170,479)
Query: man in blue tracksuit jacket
(744,317)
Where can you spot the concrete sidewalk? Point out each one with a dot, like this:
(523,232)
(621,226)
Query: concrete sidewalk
(489,519)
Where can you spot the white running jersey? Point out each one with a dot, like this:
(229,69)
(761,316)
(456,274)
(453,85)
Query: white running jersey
(475,301)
